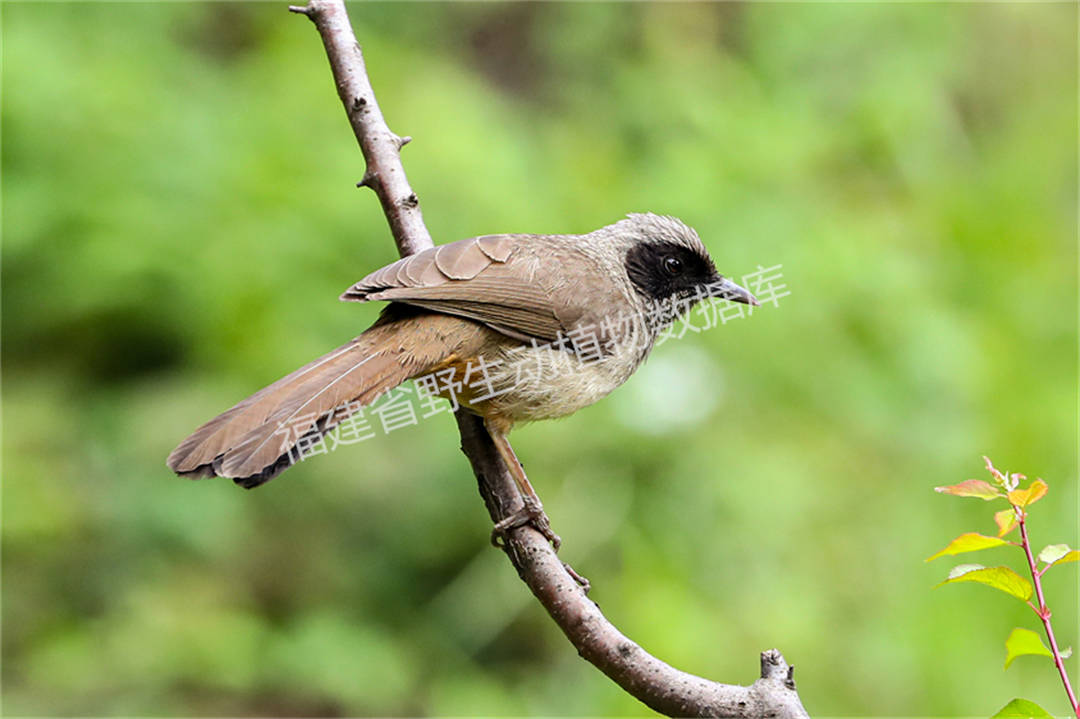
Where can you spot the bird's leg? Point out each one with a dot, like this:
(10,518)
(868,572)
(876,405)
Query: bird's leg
(533,511)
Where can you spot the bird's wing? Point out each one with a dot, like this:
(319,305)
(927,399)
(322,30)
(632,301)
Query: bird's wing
(507,282)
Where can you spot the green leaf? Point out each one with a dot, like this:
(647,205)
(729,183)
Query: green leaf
(1031,495)
(1058,554)
(1072,556)
(1005,520)
(1001,578)
(970,542)
(971,488)
(963,569)
(1024,641)
(1053,552)
(1022,709)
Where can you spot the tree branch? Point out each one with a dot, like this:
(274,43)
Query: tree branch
(382,148)
(659,685)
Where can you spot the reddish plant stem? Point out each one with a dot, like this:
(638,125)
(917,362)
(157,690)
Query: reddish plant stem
(1044,612)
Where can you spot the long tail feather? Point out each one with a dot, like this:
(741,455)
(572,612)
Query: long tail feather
(256,440)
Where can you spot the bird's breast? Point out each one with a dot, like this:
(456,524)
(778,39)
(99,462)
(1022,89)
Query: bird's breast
(544,383)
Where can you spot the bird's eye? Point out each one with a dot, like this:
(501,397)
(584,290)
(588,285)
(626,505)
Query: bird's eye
(673,265)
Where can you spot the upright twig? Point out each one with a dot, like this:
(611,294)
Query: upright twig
(1043,611)
(659,685)
(381,148)
(1006,486)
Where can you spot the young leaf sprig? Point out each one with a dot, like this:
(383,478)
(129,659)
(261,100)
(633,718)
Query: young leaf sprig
(1005,486)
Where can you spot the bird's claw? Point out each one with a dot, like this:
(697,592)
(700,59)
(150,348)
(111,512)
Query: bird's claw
(584,583)
(532,513)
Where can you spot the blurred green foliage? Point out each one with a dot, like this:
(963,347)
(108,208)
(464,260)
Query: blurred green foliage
(179,218)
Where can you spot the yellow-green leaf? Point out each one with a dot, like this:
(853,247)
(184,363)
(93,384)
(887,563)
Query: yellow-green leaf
(1072,556)
(971,488)
(970,542)
(1001,578)
(1024,497)
(1005,520)
(1022,709)
(1024,641)
(1053,552)
(963,569)
(1058,554)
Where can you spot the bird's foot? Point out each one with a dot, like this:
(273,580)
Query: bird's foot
(582,581)
(533,514)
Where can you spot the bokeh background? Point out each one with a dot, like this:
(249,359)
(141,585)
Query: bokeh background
(179,218)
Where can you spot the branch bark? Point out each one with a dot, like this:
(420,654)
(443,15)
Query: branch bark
(655,683)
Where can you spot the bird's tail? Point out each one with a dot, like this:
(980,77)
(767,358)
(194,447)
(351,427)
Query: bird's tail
(259,438)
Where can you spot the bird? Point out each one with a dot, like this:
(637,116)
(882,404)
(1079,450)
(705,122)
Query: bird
(512,327)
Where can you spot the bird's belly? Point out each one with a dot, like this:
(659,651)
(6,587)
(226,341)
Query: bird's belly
(544,383)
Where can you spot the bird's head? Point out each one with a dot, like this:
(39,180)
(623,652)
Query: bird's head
(669,267)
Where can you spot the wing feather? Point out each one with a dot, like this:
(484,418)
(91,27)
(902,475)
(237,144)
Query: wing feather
(489,279)
(461,260)
(497,247)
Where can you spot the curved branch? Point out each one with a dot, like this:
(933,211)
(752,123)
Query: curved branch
(659,685)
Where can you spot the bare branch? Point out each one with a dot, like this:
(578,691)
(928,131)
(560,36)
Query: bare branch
(381,148)
(659,685)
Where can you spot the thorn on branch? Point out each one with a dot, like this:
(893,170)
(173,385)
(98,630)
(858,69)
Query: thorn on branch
(367,180)
(306,10)
(403,141)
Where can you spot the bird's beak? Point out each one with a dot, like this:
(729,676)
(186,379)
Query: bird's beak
(728,290)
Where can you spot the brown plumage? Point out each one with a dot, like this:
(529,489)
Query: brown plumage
(253,441)
(496,297)
(519,285)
